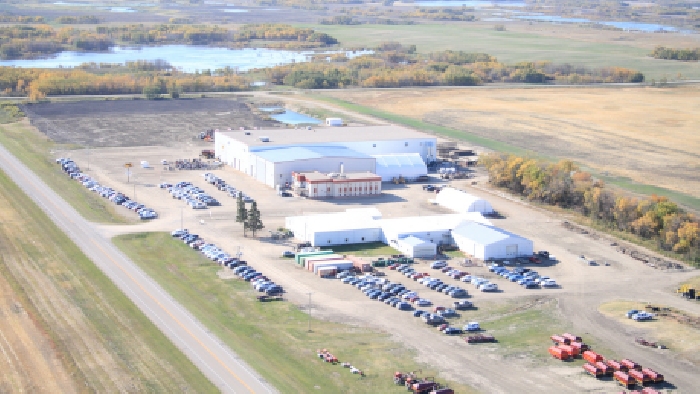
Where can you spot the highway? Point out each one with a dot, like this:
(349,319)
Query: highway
(216,361)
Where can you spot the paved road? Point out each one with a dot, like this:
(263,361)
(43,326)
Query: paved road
(205,350)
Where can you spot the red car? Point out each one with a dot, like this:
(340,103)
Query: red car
(392,266)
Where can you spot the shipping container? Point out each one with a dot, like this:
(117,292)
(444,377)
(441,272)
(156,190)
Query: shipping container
(631,364)
(593,370)
(607,370)
(640,377)
(574,352)
(327,271)
(592,357)
(653,375)
(572,338)
(340,265)
(624,379)
(298,257)
(616,365)
(306,261)
(559,353)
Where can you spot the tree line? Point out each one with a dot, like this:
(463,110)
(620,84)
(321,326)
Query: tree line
(676,54)
(563,184)
(29,42)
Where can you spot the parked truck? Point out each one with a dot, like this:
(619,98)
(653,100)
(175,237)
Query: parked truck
(594,370)
(624,379)
(617,366)
(653,375)
(433,319)
(631,364)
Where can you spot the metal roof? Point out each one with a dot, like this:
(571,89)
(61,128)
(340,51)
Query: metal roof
(400,160)
(320,135)
(292,153)
(483,234)
(412,241)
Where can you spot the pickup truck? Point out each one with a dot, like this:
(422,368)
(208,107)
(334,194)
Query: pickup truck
(464,304)
(642,316)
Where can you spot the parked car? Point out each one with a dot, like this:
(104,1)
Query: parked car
(472,326)
(423,302)
(419,313)
(550,283)
(438,264)
(489,287)
(452,331)
(631,313)
(641,316)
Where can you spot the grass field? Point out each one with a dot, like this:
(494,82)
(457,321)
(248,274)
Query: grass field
(629,50)
(67,327)
(34,150)
(272,337)
(680,338)
(655,128)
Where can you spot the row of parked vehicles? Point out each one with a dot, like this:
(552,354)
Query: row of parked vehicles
(380,289)
(463,276)
(194,196)
(72,169)
(428,281)
(524,276)
(260,282)
(230,190)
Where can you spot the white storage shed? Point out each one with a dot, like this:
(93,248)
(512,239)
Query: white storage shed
(415,247)
(462,202)
(407,165)
(488,242)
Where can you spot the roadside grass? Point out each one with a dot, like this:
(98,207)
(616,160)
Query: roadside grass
(523,327)
(639,188)
(511,46)
(79,308)
(33,149)
(420,125)
(679,338)
(369,249)
(272,337)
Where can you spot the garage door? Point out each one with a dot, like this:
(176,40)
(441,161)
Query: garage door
(511,250)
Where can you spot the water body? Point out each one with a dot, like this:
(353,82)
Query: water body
(188,58)
(291,117)
(469,3)
(650,27)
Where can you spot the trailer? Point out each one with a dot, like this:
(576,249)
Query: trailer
(592,357)
(640,377)
(559,353)
(631,364)
(607,370)
(653,375)
(480,339)
(624,379)
(593,370)
(582,347)
(572,338)
(558,339)
(616,365)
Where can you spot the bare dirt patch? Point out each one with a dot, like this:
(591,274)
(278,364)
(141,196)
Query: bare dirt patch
(116,123)
(647,135)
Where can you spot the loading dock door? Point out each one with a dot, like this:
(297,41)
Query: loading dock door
(511,250)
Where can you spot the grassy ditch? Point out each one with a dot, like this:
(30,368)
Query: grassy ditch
(272,337)
(679,338)
(101,338)
(33,149)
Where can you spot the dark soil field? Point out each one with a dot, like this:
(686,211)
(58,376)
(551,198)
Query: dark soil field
(120,123)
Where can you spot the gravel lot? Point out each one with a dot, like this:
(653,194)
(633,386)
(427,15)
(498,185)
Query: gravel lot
(583,287)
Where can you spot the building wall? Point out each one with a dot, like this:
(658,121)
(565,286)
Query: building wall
(344,189)
(496,250)
(425,147)
(343,237)
(283,170)
(434,236)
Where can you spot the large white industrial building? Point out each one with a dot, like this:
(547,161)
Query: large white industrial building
(416,236)
(270,156)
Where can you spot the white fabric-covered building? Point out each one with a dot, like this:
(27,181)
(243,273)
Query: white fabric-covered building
(462,202)
(416,247)
(435,228)
(407,165)
(487,242)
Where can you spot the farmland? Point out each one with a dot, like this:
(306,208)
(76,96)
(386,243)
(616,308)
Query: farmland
(655,126)
(65,326)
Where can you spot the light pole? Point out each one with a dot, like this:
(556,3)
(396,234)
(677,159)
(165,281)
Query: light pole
(309,329)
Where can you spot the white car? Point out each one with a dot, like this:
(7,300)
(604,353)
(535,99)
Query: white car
(472,326)
(489,287)
(423,302)
(549,283)
(478,281)
(438,264)
(642,316)
(467,278)
(409,295)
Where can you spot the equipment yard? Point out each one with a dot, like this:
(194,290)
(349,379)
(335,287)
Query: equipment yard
(521,319)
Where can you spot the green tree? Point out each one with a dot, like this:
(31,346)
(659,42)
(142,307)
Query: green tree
(254,223)
(242,213)
(152,92)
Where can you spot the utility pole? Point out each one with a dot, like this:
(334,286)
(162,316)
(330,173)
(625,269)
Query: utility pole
(309,329)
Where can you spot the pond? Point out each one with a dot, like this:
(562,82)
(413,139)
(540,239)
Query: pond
(289,117)
(648,27)
(188,58)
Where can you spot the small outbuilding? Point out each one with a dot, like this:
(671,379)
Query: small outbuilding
(462,202)
(334,122)
(488,242)
(416,247)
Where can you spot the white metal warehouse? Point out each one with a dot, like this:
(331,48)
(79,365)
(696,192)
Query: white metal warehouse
(487,242)
(354,226)
(462,202)
(271,155)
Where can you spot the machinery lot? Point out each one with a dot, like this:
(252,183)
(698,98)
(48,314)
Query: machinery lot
(572,307)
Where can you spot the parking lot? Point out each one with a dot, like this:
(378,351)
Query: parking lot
(581,287)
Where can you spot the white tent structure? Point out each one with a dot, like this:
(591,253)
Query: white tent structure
(434,228)
(407,165)
(487,242)
(462,202)
(416,247)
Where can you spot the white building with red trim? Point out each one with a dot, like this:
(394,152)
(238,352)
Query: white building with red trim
(319,185)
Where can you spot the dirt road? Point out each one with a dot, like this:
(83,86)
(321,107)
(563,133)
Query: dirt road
(216,361)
